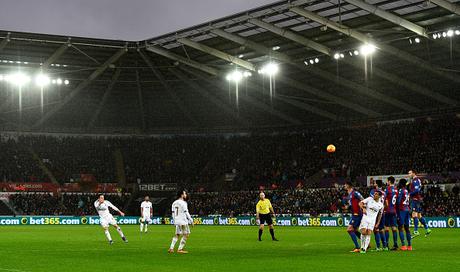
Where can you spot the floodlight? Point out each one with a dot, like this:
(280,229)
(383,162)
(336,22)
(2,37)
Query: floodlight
(272,69)
(18,79)
(367,49)
(42,80)
(235,76)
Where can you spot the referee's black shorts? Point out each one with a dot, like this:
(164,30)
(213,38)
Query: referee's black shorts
(265,218)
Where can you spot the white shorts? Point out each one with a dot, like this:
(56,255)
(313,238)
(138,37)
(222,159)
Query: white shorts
(367,223)
(107,220)
(182,229)
(146,219)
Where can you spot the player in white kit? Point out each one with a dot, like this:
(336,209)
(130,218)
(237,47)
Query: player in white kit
(106,219)
(182,220)
(146,214)
(372,207)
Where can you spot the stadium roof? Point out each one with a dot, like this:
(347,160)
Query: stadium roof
(178,80)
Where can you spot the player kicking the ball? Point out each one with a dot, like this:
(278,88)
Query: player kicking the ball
(102,206)
(372,207)
(146,214)
(182,220)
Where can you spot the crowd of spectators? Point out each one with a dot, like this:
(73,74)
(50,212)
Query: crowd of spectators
(281,160)
(438,201)
(71,204)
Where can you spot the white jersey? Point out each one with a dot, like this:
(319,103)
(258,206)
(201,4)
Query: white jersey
(372,208)
(103,208)
(146,208)
(180,213)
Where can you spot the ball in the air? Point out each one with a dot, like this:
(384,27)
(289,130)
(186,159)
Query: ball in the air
(331,148)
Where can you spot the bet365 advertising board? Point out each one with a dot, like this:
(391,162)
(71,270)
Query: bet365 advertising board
(301,221)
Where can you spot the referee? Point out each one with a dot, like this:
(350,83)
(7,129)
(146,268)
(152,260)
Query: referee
(263,209)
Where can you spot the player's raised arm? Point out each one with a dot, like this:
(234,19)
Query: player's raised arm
(114,208)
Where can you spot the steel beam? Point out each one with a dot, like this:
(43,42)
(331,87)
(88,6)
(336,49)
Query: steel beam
(106,96)
(390,17)
(254,102)
(292,36)
(168,88)
(5,41)
(61,50)
(344,82)
(385,47)
(140,98)
(339,101)
(447,5)
(167,54)
(250,44)
(218,54)
(99,71)
(416,88)
(217,102)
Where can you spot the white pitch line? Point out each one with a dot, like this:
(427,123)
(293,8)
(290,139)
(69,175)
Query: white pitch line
(11,270)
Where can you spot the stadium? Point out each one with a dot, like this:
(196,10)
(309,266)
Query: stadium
(297,135)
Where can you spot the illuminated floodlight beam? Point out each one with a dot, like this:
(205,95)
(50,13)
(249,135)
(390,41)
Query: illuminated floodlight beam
(18,79)
(367,49)
(235,76)
(271,69)
(42,80)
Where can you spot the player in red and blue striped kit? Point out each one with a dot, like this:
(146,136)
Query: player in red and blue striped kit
(379,229)
(391,195)
(415,192)
(403,210)
(354,197)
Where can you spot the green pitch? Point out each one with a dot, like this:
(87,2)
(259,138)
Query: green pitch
(218,248)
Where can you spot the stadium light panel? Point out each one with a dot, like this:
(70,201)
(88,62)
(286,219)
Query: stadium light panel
(42,80)
(59,81)
(444,34)
(435,36)
(342,56)
(367,49)
(356,52)
(316,60)
(312,61)
(276,48)
(235,76)
(450,33)
(272,69)
(18,79)
(417,40)
(66,82)
(336,56)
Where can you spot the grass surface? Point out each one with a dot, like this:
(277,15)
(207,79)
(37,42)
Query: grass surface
(214,248)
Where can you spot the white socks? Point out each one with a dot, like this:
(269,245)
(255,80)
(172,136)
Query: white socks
(107,234)
(365,240)
(182,243)
(146,227)
(173,242)
(120,232)
(142,226)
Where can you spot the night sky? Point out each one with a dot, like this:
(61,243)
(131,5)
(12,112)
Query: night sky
(115,19)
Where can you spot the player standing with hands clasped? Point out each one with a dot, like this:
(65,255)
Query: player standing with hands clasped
(182,220)
(263,210)
(106,219)
(372,207)
(146,214)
